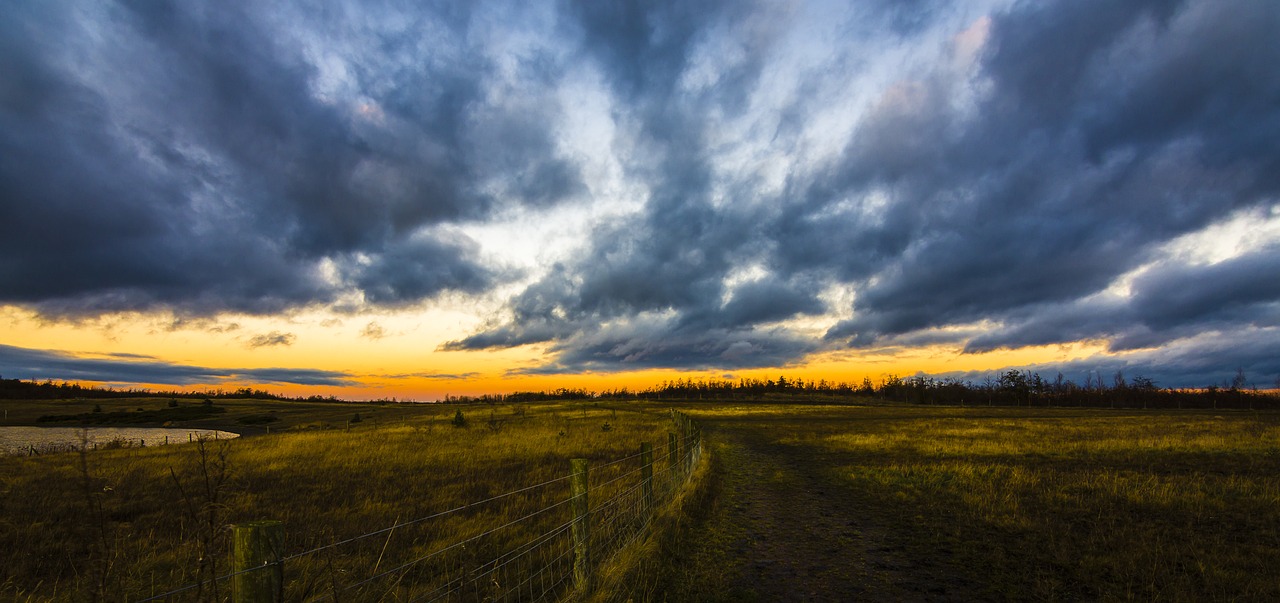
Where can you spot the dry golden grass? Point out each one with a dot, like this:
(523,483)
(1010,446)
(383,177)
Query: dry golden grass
(1057,504)
(1000,503)
(127,524)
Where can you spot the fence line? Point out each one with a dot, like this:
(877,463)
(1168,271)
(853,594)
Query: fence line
(533,563)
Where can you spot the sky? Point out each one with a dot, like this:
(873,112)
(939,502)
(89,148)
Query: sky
(376,199)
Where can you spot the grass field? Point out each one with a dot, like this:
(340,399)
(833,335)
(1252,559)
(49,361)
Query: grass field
(1023,504)
(129,523)
(876,502)
(249,416)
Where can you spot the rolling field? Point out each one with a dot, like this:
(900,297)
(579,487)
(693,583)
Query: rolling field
(929,503)
(796,502)
(130,523)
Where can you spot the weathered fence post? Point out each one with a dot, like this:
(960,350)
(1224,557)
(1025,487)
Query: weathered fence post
(697,443)
(646,478)
(673,448)
(581,525)
(259,573)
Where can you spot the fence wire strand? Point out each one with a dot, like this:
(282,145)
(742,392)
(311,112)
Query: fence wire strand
(540,567)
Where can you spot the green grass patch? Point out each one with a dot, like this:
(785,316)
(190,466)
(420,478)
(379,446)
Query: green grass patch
(258,419)
(158,416)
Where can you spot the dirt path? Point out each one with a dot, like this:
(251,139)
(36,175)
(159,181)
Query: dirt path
(781,529)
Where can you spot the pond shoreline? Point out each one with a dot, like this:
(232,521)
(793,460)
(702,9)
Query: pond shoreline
(29,440)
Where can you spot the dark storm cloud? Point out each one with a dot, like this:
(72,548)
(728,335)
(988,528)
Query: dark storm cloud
(762,302)
(643,46)
(1212,360)
(1167,302)
(1085,137)
(23,363)
(1169,296)
(413,270)
(1085,158)
(897,172)
(165,155)
(645,343)
(674,258)
(674,263)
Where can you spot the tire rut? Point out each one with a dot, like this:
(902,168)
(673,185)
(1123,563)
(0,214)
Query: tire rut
(801,539)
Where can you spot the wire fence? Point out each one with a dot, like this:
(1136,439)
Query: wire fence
(515,546)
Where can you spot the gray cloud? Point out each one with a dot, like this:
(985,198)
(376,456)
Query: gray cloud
(24,363)
(209,160)
(1036,206)
(373,330)
(1071,167)
(433,376)
(272,339)
(646,342)
(939,172)
(1232,290)
(1204,359)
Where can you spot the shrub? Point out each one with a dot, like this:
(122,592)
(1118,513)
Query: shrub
(458,419)
(258,419)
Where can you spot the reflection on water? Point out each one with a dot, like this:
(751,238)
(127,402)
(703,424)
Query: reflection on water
(23,440)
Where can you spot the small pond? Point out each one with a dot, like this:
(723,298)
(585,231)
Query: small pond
(22,440)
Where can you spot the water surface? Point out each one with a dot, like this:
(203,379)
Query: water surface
(20,440)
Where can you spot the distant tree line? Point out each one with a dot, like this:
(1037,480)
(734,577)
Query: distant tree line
(1025,388)
(1010,388)
(18,389)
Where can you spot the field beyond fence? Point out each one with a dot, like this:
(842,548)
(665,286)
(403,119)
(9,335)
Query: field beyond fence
(477,506)
(477,502)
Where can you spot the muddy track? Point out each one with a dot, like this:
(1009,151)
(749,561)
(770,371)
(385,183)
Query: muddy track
(783,529)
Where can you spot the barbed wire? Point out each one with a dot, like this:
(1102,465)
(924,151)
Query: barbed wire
(425,518)
(618,521)
(621,460)
(460,543)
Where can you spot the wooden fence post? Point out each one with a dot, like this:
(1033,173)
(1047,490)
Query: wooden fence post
(646,478)
(581,525)
(257,547)
(672,455)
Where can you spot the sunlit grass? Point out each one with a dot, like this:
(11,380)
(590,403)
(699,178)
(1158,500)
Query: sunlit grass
(135,522)
(1017,504)
(1071,504)
(1069,436)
